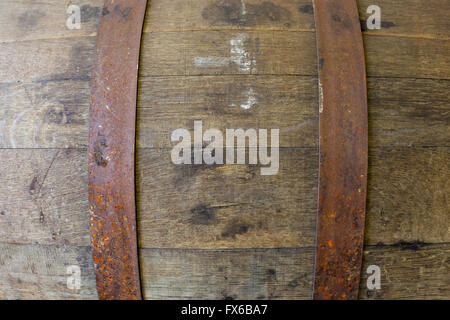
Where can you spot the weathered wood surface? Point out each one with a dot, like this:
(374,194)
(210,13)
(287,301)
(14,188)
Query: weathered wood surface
(44,199)
(26,20)
(205,59)
(40,272)
(54,114)
(409,271)
(188,53)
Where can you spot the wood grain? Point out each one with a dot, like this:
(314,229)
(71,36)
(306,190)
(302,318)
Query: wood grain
(222,231)
(44,114)
(53,114)
(408,271)
(44,199)
(27,20)
(39,272)
(49,59)
(282,52)
(231,51)
(43,196)
(24,20)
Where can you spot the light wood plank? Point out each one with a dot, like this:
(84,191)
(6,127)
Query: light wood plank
(44,196)
(24,20)
(44,114)
(414,184)
(40,272)
(227,274)
(49,59)
(408,271)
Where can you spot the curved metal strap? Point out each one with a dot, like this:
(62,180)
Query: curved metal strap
(112,118)
(343,149)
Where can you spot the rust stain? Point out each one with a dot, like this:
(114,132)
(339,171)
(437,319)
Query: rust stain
(112,117)
(343,150)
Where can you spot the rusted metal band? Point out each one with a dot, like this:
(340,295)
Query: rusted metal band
(112,118)
(343,149)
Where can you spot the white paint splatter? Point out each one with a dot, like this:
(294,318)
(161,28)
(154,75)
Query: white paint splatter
(211,62)
(251,100)
(243,8)
(320,97)
(239,54)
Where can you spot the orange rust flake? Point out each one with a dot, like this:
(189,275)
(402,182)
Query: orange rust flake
(329,243)
(96,188)
(99,199)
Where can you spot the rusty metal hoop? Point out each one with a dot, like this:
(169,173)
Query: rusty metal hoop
(343,150)
(112,121)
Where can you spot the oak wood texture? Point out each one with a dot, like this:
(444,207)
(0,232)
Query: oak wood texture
(34,271)
(229,206)
(222,231)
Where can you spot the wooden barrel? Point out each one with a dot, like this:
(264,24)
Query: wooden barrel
(222,231)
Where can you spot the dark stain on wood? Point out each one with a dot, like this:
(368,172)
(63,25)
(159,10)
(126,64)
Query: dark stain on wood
(203,215)
(404,245)
(2,213)
(33,185)
(79,68)
(30,19)
(54,116)
(187,171)
(293,284)
(271,272)
(235,227)
(105,11)
(371,294)
(384,25)
(233,12)
(68,114)
(41,217)
(412,245)
(387,24)
(309,9)
(88,12)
